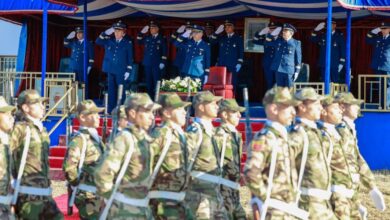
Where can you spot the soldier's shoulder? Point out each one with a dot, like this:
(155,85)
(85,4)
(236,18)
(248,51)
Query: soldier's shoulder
(262,134)
(158,131)
(20,125)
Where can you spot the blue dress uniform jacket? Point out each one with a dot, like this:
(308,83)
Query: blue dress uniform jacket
(287,60)
(197,58)
(106,58)
(268,56)
(180,53)
(231,53)
(121,61)
(337,53)
(155,52)
(381,56)
(77,56)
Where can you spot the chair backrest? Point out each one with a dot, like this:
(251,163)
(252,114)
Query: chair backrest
(217,75)
(304,74)
(229,76)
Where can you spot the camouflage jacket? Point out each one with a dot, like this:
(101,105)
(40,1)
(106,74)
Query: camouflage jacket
(233,152)
(136,179)
(172,175)
(36,171)
(317,172)
(5,164)
(207,159)
(342,172)
(93,155)
(257,167)
(354,158)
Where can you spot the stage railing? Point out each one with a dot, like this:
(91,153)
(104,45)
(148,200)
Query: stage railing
(320,87)
(60,88)
(373,90)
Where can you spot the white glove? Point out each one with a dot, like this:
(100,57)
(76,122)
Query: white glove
(71,35)
(127,74)
(181,29)
(238,67)
(161,66)
(89,70)
(220,29)
(109,31)
(340,67)
(320,26)
(186,34)
(145,29)
(363,212)
(376,30)
(276,31)
(377,198)
(295,76)
(264,31)
(206,77)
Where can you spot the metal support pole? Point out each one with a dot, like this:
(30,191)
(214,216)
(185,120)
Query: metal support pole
(44,46)
(348,52)
(85,27)
(328,48)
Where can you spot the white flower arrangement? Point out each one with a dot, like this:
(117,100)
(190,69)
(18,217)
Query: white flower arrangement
(180,85)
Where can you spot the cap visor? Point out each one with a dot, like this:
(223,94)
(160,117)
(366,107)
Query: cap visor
(153,106)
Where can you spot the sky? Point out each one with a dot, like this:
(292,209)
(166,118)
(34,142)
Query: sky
(9,38)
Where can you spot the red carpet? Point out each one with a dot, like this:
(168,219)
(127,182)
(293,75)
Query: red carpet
(62,205)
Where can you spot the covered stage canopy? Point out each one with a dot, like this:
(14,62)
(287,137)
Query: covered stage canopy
(296,9)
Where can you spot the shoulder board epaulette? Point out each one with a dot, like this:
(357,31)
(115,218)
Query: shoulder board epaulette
(341,125)
(192,128)
(262,132)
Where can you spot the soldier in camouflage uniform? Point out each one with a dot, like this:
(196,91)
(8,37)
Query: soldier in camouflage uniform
(6,124)
(130,151)
(316,179)
(363,175)
(170,147)
(34,200)
(230,146)
(343,188)
(204,196)
(270,168)
(85,147)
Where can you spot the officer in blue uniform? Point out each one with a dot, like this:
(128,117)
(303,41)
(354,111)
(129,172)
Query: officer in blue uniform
(288,55)
(77,54)
(155,55)
(380,63)
(106,58)
(180,52)
(120,66)
(268,54)
(209,30)
(231,49)
(197,58)
(337,58)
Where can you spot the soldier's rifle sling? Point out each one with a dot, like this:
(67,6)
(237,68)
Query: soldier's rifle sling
(188,113)
(79,169)
(120,176)
(192,160)
(303,163)
(115,121)
(274,154)
(105,117)
(22,165)
(157,92)
(224,139)
(248,128)
(164,152)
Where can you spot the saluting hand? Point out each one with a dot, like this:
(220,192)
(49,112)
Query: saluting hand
(376,30)
(220,29)
(276,31)
(320,26)
(71,35)
(145,29)
(181,29)
(264,31)
(109,31)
